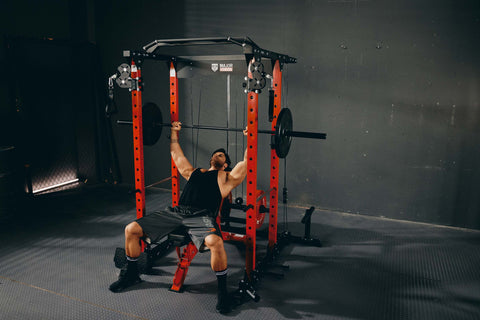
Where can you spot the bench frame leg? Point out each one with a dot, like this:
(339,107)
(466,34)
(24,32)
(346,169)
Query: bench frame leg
(185,259)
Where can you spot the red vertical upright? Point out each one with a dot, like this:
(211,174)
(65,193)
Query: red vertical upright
(274,161)
(174,117)
(138,139)
(252,143)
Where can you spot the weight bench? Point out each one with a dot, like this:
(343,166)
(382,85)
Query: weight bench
(159,248)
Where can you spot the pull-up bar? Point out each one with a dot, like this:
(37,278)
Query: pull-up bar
(250,48)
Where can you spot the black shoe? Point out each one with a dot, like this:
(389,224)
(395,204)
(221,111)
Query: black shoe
(224,304)
(125,280)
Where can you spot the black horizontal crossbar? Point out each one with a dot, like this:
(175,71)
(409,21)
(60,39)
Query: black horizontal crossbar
(199,42)
(248,45)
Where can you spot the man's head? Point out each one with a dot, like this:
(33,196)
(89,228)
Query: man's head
(220,160)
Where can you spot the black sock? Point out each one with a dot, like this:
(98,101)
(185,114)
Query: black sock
(132,265)
(222,282)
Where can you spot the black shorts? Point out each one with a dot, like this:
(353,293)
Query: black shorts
(198,224)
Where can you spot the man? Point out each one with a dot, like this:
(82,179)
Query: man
(195,215)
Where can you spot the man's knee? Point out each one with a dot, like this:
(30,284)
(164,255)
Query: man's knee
(214,242)
(133,229)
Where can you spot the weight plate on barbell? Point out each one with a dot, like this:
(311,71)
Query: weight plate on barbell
(152,116)
(282,140)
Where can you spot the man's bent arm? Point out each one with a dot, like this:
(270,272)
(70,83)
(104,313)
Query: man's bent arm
(239,172)
(182,163)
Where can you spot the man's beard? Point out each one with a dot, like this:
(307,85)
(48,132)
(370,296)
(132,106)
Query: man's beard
(216,164)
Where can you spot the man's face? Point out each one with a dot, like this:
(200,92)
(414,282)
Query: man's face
(218,161)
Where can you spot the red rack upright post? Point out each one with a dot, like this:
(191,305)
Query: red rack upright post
(174,117)
(252,143)
(274,161)
(135,74)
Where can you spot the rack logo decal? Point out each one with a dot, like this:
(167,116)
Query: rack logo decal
(226,67)
(222,67)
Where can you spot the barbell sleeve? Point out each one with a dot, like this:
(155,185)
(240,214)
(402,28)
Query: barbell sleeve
(124,122)
(302,134)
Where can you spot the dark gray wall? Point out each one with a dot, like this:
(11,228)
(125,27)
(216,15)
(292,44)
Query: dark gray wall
(393,83)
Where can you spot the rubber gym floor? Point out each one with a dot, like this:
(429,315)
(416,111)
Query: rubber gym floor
(57,263)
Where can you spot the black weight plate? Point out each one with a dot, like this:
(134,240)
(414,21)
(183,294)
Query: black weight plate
(282,140)
(152,120)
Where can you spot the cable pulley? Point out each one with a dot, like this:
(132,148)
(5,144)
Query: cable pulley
(281,138)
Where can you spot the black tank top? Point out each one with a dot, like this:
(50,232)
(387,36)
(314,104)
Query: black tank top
(202,191)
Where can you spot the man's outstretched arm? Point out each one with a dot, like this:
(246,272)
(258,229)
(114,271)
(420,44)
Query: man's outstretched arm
(239,172)
(184,166)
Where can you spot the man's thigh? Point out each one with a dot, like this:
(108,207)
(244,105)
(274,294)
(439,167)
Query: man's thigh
(159,224)
(199,228)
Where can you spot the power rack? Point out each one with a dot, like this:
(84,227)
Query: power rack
(258,65)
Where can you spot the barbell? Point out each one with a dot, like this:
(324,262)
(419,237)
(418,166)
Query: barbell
(152,121)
